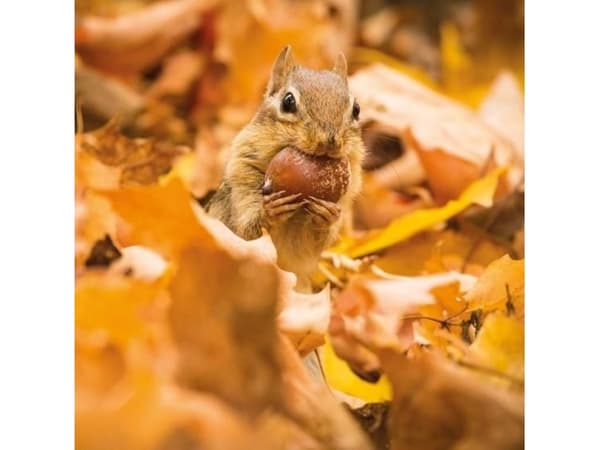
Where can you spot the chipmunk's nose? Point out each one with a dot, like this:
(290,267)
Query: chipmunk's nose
(328,146)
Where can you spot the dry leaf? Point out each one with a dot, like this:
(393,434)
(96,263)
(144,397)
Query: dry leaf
(161,216)
(500,345)
(104,97)
(372,313)
(503,110)
(152,415)
(179,72)
(437,405)
(377,205)
(304,319)
(440,251)
(480,192)
(454,145)
(501,286)
(315,408)
(106,159)
(134,42)
(116,306)
(272,25)
(235,302)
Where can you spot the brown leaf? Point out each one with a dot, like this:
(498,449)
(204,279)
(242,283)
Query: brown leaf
(179,72)
(103,97)
(134,42)
(453,143)
(126,161)
(235,302)
(313,406)
(145,413)
(437,405)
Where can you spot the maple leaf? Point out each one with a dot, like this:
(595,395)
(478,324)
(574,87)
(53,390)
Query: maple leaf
(160,216)
(500,287)
(375,313)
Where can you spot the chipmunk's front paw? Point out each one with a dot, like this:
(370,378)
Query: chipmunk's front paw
(322,212)
(279,207)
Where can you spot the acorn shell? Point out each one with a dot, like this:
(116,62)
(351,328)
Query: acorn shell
(295,172)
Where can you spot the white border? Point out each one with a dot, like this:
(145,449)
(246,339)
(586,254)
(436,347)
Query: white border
(36,186)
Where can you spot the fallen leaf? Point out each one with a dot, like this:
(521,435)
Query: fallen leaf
(179,72)
(235,301)
(116,306)
(161,216)
(107,159)
(480,192)
(503,109)
(377,205)
(151,414)
(437,405)
(501,287)
(340,377)
(140,263)
(500,345)
(273,25)
(373,313)
(304,319)
(313,406)
(133,42)
(454,145)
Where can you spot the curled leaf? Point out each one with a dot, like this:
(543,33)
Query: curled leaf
(135,41)
(501,286)
(454,145)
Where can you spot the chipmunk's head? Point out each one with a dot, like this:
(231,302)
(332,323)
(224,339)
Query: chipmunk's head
(312,110)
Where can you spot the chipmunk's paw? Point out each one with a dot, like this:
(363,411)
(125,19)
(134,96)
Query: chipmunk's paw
(279,207)
(322,212)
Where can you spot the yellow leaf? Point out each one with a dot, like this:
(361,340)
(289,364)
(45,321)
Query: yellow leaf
(115,305)
(500,344)
(340,377)
(454,57)
(161,216)
(364,55)
(502,279)
(480,192)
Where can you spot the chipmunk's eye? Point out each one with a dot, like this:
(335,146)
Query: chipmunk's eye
(355,111)
(288,104)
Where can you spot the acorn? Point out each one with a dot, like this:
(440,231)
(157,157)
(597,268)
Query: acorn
(296,172)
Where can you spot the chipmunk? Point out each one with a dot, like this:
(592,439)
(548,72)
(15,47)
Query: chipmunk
(311,110)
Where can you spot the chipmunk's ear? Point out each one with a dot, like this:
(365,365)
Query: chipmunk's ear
(281,69)
(341,66)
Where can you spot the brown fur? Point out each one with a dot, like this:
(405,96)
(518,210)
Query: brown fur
(323,124)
